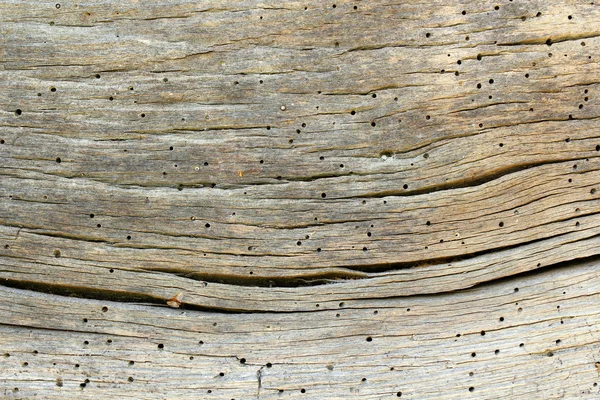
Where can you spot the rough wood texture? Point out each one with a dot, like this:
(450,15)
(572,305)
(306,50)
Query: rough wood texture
(308,175)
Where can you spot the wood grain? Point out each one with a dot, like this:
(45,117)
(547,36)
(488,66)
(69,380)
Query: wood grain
(526,337)
(278,161)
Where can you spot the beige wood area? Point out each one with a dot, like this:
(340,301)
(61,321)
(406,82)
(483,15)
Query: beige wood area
(346,199)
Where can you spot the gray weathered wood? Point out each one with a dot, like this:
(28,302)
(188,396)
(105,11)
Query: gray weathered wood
(275,162)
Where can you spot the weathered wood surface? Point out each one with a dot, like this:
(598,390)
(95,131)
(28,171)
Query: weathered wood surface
(279,163)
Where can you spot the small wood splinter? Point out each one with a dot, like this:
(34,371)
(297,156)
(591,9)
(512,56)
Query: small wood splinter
(175,301)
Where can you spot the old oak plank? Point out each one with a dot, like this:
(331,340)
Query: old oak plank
(308,176)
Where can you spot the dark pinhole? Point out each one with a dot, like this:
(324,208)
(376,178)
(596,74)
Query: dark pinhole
(479,86)
(479,57)
(369,339)
(516,289)
(53,89)
(85,320)
(473,354)
(471,389)
(352,112)
(57,253)
(428,34)
(491,81)
(207,225)
(109,341)
(374,95)
(221,374)
(521,344)
(549,42)
(298,243)
(18,111)
(501,319)
(1,141)
(428,223)
(501,224)
(302,390)
(58,160)
(373,123)
(405,186)
(369,234)
(482,333)
(242,361)
(104,309)
(128,237)
(111,98)
(130,379)
(321,158)
(496,351)
(323,195)
(365,249)
(318,250)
